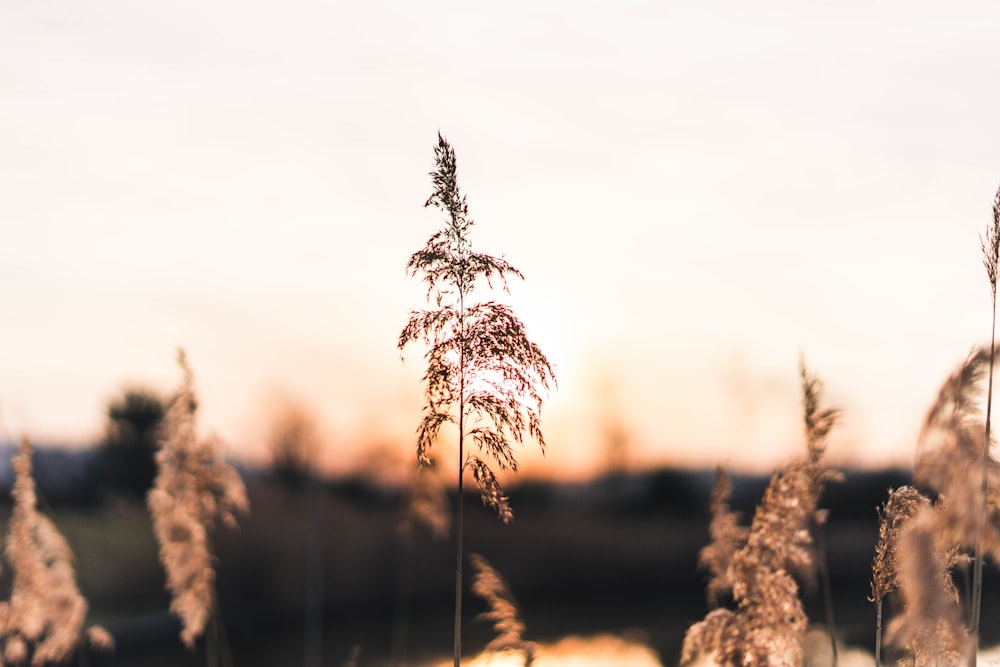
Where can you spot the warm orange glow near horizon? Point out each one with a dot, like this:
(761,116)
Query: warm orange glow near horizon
(695,194)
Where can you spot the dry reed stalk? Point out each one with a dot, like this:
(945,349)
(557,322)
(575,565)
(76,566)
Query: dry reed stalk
(44,619)
(952,459)
(768,626)
(194,489)
(484,374)
(488,584)
(990,245)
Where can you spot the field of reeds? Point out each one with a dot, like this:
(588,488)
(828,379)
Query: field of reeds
(616,556)
(326,571)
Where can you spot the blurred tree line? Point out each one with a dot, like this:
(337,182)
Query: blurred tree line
(123,465)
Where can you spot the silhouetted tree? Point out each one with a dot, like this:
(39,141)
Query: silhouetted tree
(127,456)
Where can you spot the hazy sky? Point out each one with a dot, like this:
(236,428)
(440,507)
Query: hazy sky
(696,192)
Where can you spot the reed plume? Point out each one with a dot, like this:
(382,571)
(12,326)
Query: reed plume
(194,488)
(951,452)
(952,459)
(727,537)
(990,245)
(930,628)
(488,584)
(484,374)
(768,626)
(43,621)
(902,504)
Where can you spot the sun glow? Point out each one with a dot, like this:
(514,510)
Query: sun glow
(597,651)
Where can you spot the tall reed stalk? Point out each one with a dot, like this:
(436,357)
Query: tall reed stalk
(483,373)
(990,244)
(934,628)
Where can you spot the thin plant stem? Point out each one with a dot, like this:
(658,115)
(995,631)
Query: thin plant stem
(878,634)
(212,640)
(990,245)
(824,572)
(217,649)
(977,574)
(461,470)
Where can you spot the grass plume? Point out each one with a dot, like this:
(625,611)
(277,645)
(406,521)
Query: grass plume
(43,621)
(488,584)
(484,374)
(903,503)
(952,459)
(768,625)
(990,245)
(194,489)
(726,538)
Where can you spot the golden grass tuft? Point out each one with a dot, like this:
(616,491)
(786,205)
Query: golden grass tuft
(727,537)
(45,615)
(488,584)
(920,556)
(768,626)
(194,488)
(903,503)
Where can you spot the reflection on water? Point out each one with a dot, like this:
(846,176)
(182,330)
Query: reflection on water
(601,650)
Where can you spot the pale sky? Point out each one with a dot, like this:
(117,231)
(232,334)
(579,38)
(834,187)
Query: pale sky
(696,192)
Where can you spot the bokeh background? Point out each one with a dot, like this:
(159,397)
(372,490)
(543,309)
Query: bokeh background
(697,193)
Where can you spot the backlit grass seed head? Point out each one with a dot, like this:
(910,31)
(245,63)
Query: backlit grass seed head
(483,372)
(194,489)
(952,459)
(903,503)
(45,615)
(727,537)
(930,628)
(504,612)
(950,456)
(768,626)
(990,244)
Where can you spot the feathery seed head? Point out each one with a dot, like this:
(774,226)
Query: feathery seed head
(194,488)
(504,612)
(482,369)
(903,503)
(768,626)
(727,537)
(990,244)
(46,612)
